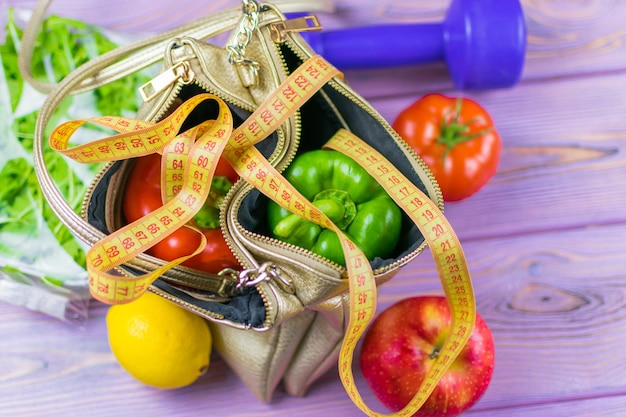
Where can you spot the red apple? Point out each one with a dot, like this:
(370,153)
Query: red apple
(401,345)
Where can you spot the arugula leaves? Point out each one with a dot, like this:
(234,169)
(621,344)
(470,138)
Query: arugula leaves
(26,219)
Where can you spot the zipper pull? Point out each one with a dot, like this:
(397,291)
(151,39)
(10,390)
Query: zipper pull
(279,30)
(181,71)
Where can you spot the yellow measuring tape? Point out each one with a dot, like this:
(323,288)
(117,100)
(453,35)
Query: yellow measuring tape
(139,138)
(189,161)
(446,251)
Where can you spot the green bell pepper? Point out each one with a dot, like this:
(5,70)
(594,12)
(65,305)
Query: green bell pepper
(349,196)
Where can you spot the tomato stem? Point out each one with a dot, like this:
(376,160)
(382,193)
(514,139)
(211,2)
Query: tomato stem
(454,133)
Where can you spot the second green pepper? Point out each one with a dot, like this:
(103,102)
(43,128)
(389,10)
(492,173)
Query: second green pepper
(349,196)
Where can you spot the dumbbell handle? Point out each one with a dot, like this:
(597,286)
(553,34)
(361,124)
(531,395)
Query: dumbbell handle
(380,46)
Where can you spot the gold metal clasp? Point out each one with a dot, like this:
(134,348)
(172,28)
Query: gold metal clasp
(181,71)
(279,30)
(265,272)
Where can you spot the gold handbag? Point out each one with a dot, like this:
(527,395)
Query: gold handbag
(288,315)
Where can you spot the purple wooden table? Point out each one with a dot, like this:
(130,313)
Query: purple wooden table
(544,239)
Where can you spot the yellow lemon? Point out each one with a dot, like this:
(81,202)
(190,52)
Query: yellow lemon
(158,342)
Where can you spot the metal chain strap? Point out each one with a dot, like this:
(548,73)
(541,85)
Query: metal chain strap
(247,25)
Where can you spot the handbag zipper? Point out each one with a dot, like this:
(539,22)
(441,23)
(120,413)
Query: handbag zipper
(181,73)
(177,75)
(358,101)
(186,305)
(91,188)
(174,78)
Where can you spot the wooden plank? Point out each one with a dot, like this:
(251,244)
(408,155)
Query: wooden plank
(585,37)
(587,407)
(553,301)
(544,238)
(542,159)
(582,37)
(562,159)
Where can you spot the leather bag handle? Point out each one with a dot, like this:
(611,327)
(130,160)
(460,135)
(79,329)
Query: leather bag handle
(142,53)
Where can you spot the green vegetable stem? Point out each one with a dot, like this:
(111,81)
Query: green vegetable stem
(349,196)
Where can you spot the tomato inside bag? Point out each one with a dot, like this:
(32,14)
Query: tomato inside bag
(142,196)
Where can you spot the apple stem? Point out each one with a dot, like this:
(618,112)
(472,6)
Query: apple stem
(435,353)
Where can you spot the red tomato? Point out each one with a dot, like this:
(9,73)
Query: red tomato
(143,195)
(215,256)
(456,138)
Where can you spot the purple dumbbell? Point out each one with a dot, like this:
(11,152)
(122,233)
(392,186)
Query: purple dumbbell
(483,43)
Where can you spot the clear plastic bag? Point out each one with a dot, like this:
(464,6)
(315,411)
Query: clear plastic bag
(41,262)
(68,302)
